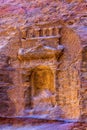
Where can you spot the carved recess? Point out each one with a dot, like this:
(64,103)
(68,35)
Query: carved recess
(39,56)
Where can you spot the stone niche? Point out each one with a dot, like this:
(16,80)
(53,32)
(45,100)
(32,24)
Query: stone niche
(38,67)
(47,72)
(42,87)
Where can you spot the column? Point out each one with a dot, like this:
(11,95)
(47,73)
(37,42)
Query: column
(37,32)
(50,31)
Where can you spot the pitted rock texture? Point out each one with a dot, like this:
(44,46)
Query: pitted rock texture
(69,68)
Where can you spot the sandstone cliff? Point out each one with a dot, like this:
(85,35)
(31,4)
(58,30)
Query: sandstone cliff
(17,17)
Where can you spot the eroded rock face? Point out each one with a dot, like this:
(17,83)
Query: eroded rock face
(6,105)
(43,58)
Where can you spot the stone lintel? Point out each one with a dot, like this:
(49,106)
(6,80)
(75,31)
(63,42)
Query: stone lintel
(41,52)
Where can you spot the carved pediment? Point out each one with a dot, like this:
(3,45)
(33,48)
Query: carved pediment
(39,52)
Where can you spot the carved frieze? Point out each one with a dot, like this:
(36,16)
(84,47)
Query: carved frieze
(44,42)
(44,30)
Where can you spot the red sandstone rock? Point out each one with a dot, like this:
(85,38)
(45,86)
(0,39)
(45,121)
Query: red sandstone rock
(17,18)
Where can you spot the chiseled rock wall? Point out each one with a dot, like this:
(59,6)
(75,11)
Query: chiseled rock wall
(15,19)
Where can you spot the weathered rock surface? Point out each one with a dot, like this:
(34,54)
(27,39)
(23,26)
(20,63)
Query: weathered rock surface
(44,79)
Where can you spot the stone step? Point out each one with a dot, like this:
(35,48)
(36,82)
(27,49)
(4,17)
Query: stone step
(26,120)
